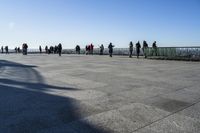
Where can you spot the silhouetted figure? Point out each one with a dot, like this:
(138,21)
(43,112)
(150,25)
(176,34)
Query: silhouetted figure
(138,46)
(130,49)
(6,49)
(78,49)
(110,47)
(101,49)
(24,48)
(91,49)
(15,49)
(1,49)
(145,47)
(46,49)
(154,46)
(51,49)
(40,48)
(18,50)
(56,49)
(59,49)
(87,49)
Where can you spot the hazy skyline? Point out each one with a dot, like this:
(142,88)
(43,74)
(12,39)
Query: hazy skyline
(72,22)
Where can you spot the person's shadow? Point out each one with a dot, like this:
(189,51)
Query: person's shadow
(26,108)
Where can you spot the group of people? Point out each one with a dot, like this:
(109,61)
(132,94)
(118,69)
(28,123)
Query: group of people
(144,48)
(6,49)
(89,49)
(52,50)
(56,49)
(17,50)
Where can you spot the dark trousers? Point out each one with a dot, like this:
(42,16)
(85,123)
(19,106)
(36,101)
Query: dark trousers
(59,52)
(138,53)
(130,53)
(110,53)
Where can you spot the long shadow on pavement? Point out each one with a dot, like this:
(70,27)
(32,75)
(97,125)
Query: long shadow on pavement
(23,110)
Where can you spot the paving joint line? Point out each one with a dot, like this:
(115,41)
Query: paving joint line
(168,115)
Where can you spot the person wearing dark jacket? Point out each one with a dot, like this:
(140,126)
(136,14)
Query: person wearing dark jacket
(1,49)
(101,49)
(145,47)
(78,49)
(46,49)
(138,46)
(110,47)
(154,46)
(40,48)
(130,49)
(59,49)
(6,49)
(25,48)
(91,49)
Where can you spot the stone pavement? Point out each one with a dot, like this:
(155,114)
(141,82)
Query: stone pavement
(90,94)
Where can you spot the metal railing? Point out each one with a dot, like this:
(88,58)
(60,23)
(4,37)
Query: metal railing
(116,51)
(168,52)
(172,52)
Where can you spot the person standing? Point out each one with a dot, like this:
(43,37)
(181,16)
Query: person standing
(18,49)
(56,49)
(91,49)
(51,49)
(25,48)
(138,46)
(40,48)
(15,49)
(1,49)
(78,49)
(59,49)
(6,48)
(86,49)
(130,49)
(101,49)
(154,46)
(145,47)
(46,49)
(110,47)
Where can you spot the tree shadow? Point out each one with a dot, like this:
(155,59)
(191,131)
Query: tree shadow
(26,108)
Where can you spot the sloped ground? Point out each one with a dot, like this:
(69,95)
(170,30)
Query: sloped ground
(87,94)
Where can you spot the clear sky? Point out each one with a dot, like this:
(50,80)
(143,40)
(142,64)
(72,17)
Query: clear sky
(72,22)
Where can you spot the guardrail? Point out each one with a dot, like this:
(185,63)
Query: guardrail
(160,52)
(172,52)
(96,51)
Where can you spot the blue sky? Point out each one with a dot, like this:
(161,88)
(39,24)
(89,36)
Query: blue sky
(72,22)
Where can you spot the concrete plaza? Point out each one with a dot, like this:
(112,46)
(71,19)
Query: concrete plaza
(89,94)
